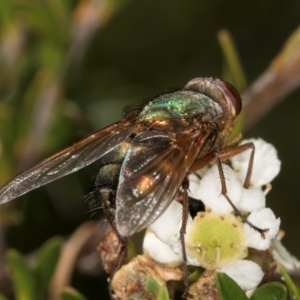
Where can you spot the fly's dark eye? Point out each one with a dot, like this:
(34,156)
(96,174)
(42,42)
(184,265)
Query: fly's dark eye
(232,94)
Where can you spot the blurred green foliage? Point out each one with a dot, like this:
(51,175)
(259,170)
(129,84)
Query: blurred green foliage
(33,282)
(68,67)
(71,294)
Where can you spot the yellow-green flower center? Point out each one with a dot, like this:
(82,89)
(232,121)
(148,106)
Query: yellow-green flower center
(216,239)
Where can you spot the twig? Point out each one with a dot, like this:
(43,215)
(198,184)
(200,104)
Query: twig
(69,256)
(280,79)
(88,18)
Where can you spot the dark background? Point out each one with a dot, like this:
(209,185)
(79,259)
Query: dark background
(144,48)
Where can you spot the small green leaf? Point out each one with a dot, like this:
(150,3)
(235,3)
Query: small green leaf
(152,286)
(47,258)
(7,14)
(195,275)
(118,5)
(289,50)
(69,293)
(163,294)
(11,217)
(23,277)
(2,297)
(229,289)
(270,291)
(233,70)
(289,283)
(131,250)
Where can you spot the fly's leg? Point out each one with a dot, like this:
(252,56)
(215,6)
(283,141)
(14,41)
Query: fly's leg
(185,213)
(104,198)
(250,164)
(110,215)
(224,155)
(122,254)
(123,241)
(246,185)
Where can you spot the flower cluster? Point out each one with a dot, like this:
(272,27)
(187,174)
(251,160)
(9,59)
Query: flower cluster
(217,239)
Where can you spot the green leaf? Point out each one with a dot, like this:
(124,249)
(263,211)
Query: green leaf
(47,258)
(270,291)
(289,283)
(228,289)
(23,277)
(69,293)
(6,14)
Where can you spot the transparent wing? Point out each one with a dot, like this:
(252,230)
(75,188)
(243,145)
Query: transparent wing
(67,161)
(151,174)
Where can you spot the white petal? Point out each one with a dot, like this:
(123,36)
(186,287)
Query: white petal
(160,251)
(266,163)
(196,176)
(209,189)
(252,199)
(192,261)
(194,183)
(264,219)
(245,273)
(167,226)
(283,256)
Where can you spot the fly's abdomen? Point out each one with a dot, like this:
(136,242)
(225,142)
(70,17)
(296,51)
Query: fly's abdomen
(103,195)
(107,184)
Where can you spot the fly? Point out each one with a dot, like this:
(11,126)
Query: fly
(146,157)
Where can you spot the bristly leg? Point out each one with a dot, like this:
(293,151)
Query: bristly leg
(122,240)
(246,185)
(185,213)
(102,198)
(122,254)
(223,155)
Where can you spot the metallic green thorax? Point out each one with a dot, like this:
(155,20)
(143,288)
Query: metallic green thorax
(181,104)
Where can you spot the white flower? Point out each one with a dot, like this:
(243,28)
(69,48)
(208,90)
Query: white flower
(266,164)
(246,273)
(218,239)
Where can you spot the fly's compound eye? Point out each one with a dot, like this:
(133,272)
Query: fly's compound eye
(232,94)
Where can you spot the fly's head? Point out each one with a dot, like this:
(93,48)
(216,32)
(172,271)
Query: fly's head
(225,96)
